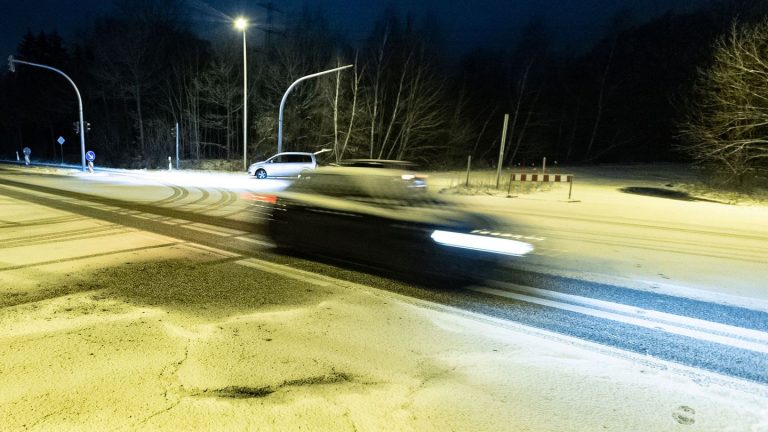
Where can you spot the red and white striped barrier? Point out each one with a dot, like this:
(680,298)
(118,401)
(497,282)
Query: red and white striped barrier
(543,178)
(546,178)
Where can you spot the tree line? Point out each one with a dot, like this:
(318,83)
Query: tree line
(634,96)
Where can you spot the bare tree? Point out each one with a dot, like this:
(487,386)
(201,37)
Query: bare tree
(221,99)
(126,65)
(728,127)
(403,98)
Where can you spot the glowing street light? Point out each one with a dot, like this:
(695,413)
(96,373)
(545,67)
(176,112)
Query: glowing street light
(241,23)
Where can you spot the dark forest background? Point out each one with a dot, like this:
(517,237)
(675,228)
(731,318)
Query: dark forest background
(141,70)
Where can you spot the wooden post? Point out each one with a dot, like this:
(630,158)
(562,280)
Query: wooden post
(469,163)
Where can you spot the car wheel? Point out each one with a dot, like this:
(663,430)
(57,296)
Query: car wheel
(261,174)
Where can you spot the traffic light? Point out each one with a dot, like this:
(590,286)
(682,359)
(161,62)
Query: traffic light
(76,127)
(173,132)
(87,126)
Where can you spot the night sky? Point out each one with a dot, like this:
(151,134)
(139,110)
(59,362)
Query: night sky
(466,23)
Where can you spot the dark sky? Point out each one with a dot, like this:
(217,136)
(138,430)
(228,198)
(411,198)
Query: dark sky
(466,23)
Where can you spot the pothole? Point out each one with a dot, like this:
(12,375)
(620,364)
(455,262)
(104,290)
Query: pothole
(246,392)
(333,378)
(238,392)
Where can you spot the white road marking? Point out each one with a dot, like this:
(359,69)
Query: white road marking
(217,231)
(694,328)
(253,240)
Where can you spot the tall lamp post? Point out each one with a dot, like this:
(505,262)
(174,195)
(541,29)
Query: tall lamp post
(242,24)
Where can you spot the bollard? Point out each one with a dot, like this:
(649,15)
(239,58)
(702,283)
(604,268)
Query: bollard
(170,164)
(17,156)
(90,166)
(509,187)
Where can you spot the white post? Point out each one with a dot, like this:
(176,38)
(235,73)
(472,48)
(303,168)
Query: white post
(501,150)
(544,165)
(285,96)
(177,145)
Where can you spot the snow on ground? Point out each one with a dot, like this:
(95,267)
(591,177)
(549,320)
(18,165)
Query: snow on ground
(699,248)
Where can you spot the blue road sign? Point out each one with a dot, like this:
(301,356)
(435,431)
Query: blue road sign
(27,151)
(90,156)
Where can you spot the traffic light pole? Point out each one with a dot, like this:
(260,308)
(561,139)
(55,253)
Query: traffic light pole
(285,96)
(12,60)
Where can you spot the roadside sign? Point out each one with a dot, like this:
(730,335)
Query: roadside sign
(90,156)
(27,151)
(60,140)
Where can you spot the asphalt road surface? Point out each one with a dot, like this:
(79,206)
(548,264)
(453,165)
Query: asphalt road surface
(729,340)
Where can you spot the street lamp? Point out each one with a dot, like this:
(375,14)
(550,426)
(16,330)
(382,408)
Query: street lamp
(242,24)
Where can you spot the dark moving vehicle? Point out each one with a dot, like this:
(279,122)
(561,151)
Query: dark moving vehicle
(379,218)
(377,163)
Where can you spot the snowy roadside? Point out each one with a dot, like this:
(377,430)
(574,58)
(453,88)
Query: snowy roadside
(681,245)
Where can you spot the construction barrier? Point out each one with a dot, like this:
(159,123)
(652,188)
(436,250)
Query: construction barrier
(543,178)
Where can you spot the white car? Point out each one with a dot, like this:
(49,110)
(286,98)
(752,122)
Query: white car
(287,164)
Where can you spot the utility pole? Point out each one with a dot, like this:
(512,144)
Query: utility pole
(270,27)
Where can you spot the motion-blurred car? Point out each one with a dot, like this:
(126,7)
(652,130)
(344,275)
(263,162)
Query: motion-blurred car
(377,163)
(287,164)
(416,178)
(376,217)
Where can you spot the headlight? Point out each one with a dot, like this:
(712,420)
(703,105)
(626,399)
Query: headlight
(482,243)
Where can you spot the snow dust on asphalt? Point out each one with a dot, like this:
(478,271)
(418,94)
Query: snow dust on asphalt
(108,327)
